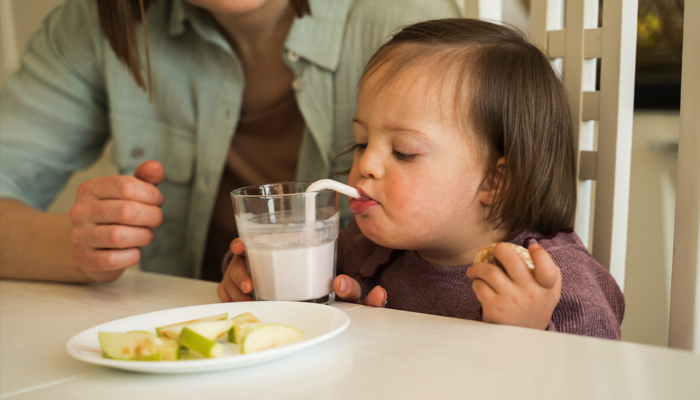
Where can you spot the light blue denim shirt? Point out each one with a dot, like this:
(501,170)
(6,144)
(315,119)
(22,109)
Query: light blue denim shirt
(72,94)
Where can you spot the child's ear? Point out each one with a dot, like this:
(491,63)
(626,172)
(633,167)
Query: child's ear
(492,184)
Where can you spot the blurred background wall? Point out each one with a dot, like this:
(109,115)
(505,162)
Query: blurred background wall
(654,152)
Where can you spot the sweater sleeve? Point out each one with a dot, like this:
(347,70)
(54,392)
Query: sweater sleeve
(591,302)
(53,110)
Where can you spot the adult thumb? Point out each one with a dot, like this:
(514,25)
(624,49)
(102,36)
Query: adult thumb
(150,171)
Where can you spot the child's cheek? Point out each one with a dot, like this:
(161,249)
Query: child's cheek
(404,193)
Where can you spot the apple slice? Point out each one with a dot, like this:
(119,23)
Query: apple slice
(269,335)
(131,346)
(201,337)
(173,331)
(242,325)
(170,349)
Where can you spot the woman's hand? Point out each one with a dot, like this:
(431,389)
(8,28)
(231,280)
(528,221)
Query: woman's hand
(347,289)
(521,297)
(236,283)
(113,216)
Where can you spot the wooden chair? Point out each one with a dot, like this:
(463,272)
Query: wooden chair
(570,31)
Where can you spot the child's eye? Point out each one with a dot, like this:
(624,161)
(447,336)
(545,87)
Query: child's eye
(404,157)
(359,147)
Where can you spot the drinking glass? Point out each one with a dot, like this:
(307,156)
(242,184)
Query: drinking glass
(291,239)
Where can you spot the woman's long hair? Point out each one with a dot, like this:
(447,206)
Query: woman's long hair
(118,19)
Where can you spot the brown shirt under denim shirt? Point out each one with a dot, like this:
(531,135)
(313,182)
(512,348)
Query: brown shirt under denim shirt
(264,149)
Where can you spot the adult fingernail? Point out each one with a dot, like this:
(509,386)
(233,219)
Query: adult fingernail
(344,285)
(386,297)
(534,246)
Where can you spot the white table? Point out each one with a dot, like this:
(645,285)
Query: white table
(383,354)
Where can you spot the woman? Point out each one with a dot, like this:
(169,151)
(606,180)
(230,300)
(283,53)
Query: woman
(243,92)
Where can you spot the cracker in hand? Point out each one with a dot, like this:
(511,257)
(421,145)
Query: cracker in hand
(484,255)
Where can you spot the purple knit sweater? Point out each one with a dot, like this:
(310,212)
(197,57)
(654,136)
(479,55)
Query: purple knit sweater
(591,303)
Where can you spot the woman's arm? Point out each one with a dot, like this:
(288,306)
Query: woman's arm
(113,216)
(36,244)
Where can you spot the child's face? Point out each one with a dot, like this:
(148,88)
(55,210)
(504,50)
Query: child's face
(418,168)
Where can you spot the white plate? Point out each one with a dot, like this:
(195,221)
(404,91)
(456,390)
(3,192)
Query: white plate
(319,322)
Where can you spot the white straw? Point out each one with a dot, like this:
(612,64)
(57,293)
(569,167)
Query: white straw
(333,185)
(322,185)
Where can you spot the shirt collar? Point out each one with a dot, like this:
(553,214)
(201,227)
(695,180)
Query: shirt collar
(179,13)
(317,38)
(198,20)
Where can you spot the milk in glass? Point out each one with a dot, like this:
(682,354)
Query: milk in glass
(291,261)
(294,273)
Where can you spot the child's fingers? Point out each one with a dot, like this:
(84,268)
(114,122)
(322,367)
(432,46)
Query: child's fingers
(484,293)
(547,273)
(237,273)
(237,246)
(491,275)
(347,289)
(514,265)
(377,297)
(223,295)
(228,291)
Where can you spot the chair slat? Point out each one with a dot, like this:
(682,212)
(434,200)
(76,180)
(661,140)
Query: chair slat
(593,43)
(684,322)
(617,68)
(588,164)
(556,43)
(591,106)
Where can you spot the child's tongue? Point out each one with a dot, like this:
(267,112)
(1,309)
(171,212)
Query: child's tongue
(361,204)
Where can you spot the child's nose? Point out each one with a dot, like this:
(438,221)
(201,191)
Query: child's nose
(370,165)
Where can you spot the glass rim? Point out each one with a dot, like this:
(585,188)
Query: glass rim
(287,183)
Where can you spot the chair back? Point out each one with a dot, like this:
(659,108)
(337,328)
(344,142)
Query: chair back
(569,32)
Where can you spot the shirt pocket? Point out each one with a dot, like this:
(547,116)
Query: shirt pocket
(138,141)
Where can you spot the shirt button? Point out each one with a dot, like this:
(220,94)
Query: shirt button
(298,84)
(137,152)
(292,56)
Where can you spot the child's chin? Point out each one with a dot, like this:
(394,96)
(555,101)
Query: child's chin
(370,229)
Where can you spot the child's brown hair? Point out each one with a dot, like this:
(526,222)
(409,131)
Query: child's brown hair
(506,92)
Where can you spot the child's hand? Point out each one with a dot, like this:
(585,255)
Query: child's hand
(236,282)
(347,289)
(522,297)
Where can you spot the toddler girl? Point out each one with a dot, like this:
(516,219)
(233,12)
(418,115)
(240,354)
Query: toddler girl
(463,138)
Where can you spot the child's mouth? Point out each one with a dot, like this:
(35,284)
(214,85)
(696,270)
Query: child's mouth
(360,205)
